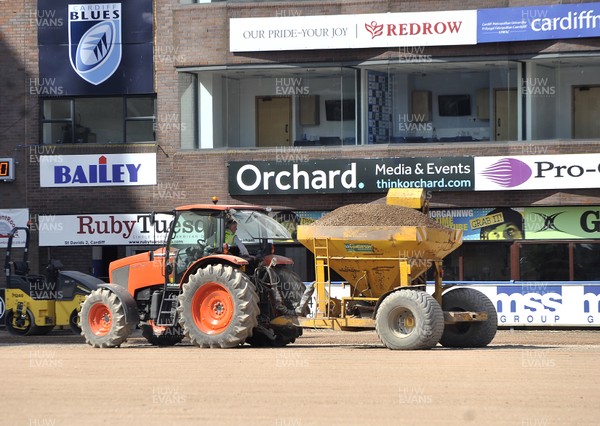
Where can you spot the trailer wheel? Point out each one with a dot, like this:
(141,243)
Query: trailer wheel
(24,326)
(102,320)
(474,334)
(291,287)
(162,336)
(409,319)
(218,307)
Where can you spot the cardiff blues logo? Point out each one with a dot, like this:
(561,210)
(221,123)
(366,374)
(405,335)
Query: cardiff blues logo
(95,40)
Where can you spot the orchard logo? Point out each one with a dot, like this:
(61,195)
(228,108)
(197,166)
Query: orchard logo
(374,29)
(508,172)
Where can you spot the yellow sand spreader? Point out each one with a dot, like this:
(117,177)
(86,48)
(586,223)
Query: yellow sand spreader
(386,267)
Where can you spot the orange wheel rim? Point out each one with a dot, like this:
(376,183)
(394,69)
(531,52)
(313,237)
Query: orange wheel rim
(100,319)
(212,308)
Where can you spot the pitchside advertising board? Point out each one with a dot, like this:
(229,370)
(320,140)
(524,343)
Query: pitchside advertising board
(531,304)
(74,171)
(95,48)
(354,175)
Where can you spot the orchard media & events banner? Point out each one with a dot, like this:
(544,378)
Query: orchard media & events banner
(350,175)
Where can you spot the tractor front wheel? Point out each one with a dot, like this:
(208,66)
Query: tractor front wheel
(475,334)
(102,320)
(218,307)
(409,319)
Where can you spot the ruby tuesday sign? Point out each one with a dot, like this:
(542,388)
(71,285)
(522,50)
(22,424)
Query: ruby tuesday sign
(97,170)
(445,28)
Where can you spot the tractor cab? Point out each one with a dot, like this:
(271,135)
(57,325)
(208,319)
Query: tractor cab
(36,303)
(199,232)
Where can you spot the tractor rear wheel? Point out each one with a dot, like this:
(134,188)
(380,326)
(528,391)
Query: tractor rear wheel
(409,319)
(218,307)
(475,334)
(102,320)
(162,336)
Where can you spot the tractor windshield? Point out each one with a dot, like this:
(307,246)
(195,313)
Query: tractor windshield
(255,226)
(194,235)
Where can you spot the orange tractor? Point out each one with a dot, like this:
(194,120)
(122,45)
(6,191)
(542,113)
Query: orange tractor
(199,286)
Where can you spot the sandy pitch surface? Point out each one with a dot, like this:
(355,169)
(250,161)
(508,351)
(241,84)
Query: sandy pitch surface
(325,378)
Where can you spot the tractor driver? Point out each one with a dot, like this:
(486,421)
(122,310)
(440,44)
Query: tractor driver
(232,239)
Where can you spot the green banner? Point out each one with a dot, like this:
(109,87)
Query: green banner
(562,223)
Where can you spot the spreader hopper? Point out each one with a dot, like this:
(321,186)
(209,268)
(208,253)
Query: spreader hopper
(378,247)
(376,259)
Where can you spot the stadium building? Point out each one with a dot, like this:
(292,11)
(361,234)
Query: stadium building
(112,110)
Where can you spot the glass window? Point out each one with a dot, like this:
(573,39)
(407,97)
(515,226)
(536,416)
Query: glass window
(57,109)
(586,258)
(269,108)
(98,120)
(544,262)
(486,262)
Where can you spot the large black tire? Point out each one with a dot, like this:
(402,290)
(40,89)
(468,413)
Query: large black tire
(28,328)
(409,319)
(291,287)
(102,320)
(218,307)
(168,337)
(474,334)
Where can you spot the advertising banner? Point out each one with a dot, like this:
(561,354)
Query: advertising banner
(538,22)
(530,304)
(537,172)
(562,222)
(350,175)
(9,219)
(103,229)
(75,171)
(455,27)
(501,223)
(545,304)
(94,48)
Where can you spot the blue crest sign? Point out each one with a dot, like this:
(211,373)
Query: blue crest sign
(95,40)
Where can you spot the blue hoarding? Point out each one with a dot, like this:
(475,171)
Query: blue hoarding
(538,22)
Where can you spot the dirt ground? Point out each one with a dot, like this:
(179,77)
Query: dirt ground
(325,378)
